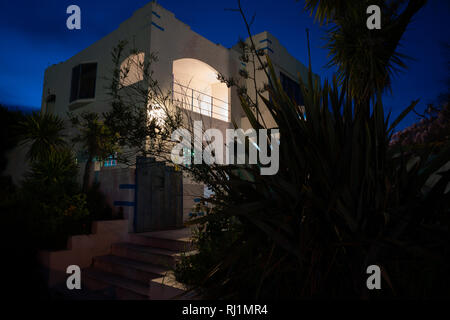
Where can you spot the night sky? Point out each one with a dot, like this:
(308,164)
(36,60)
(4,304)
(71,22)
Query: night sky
(34,35)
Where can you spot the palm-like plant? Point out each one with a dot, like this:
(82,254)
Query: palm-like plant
(326,10)
(52,206)
(44,132)
(342,200)
(366,59)
(58,170)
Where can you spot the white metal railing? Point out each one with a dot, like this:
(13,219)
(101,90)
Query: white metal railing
(199,102)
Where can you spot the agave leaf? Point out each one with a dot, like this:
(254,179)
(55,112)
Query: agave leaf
(403,115)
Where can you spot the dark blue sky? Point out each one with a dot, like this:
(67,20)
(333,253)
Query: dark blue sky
(34,35)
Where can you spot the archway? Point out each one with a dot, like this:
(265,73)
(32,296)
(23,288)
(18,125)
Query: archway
(196,88)
(132,69)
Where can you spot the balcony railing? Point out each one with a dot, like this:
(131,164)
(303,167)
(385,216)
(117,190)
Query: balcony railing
(200,102)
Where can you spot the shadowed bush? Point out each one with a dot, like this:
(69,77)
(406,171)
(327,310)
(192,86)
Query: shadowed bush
(51,203)
(342,200)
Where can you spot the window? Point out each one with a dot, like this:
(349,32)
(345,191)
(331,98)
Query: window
(132,69)
(292,88)
(111,161)
(50,103)
(83,81)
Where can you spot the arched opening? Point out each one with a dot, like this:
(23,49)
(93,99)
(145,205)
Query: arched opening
(196,88)
(132,69)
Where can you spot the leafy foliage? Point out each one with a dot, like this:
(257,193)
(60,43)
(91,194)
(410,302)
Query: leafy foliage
(50,202)
(433,129)
(366,59)
(97,140)
(58,170)
(49,205)
(44,132)
(141,112)
(342,200)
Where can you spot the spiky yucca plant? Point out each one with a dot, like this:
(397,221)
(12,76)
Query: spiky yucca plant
(342,200)
(365,59)
(44,132)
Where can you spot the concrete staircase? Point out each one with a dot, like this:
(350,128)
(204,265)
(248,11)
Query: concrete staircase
(139,269)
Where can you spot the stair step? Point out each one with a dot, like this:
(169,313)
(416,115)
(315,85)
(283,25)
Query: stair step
(118,287)
(179,245)
(155,256)
(140,269)
(61,292)
(165,288)
(131,269)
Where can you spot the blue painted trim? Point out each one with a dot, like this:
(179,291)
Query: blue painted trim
(124,204)
(157,15)
(160,28)
(266,40)
(135,199)
(267,49)
(127,186)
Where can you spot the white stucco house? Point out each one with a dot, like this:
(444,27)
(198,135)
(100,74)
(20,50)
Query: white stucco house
(187,65)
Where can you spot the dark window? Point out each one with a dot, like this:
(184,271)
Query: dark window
(50,101)
(75,86)
(83,81)
(292,88)
(51,98)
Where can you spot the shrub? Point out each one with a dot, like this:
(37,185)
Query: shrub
(342,200)
(44,132)
(51,203)
(433,129)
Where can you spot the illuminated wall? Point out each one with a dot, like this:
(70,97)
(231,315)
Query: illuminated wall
(196,88)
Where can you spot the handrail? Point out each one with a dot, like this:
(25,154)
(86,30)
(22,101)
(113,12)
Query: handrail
(189,104)
(215,105)
(205,94)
